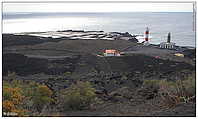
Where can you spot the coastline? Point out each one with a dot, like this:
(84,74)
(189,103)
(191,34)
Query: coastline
(87,35)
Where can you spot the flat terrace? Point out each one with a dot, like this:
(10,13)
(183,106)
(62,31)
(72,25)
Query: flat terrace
(84,35)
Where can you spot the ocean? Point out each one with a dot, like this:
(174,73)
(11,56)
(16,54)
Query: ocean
(180,24)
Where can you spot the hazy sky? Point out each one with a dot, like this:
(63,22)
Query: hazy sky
(97,7)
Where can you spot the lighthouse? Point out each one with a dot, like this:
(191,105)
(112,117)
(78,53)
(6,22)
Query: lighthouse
(168,44)
(169,37)
(146,34)
(146,42)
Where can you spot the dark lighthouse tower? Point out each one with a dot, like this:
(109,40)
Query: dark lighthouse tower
(169,37)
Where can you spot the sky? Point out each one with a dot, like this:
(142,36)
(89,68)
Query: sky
(97,7)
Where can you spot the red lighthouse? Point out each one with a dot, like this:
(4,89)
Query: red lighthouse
(146,43)
(147,34)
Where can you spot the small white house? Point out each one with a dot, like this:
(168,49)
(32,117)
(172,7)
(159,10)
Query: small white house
(111,53)
(167,45)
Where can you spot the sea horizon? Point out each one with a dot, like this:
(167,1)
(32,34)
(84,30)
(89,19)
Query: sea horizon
(180,24)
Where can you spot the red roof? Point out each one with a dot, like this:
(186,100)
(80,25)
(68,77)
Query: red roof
(111,51)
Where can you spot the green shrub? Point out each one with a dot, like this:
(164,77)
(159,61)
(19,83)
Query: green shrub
(11,75)
(79,96)
(42,97)
(179,91)
(21,95)
(168,93)
(124,77)
(12,100)
(67,73)
(190,86)
(174,92)
(81,64)
(152,83)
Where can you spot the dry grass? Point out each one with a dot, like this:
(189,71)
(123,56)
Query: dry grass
(172,93)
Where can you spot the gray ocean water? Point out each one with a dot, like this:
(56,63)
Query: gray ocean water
(180,24)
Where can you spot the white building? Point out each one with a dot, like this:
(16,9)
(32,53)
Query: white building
(167,45)
(111,53)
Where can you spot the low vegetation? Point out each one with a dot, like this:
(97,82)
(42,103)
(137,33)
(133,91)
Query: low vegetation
(29,98)
(78,96)
(174,92)
(24,98)
(13,100)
